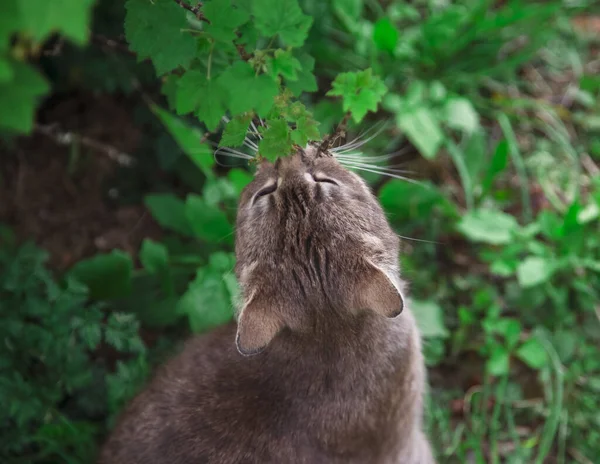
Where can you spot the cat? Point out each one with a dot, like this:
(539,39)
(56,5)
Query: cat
(324,364)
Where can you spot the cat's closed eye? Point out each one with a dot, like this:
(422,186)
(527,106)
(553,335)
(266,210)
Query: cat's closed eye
(267,190)
(325,180)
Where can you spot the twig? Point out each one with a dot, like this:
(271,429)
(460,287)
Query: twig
(68,138)
(244,55)
(195,10)
(340,131)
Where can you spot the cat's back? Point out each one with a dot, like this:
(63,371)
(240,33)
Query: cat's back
(179,412)
(211,405)
(208,405)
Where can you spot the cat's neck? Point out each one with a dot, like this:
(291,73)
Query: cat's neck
(363,342)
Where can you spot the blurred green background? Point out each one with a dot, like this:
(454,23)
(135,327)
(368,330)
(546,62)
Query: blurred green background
(116,217)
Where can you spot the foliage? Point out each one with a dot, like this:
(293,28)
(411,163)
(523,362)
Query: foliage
(24,27)
(234,58)
(505,271)
(49,371)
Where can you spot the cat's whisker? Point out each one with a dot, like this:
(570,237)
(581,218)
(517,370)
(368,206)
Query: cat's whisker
(358,154)
(376,163)
(418,239)
(225,165)
(357,157)
(250,144)
(255,129)
(382,173)
(383,169)
(233,153)
(368,162)
(357,142)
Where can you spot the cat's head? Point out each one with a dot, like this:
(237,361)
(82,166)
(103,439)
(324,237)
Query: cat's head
(312,242)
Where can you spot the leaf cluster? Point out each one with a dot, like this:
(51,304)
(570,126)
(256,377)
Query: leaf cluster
(48,369)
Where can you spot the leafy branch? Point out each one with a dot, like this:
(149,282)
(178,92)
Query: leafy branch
(251,80)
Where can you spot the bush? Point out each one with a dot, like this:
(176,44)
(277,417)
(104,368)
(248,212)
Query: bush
(52,374)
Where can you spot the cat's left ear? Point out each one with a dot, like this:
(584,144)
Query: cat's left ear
(258,324)
(379,292)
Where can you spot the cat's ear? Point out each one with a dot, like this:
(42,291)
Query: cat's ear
(378,292)
(258,324)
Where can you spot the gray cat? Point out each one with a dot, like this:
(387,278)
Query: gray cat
(324,364)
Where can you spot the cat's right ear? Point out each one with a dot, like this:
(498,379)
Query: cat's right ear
(258,324)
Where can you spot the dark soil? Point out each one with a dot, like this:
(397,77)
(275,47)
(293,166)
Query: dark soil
(59,195)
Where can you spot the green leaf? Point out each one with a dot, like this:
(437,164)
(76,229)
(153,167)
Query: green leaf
(189,140)
(361,92)
(460,114)
(430,319)
(499,362)
(534,270)
(247,91)
(208,222)
(6,71)
(211,105)
(284,64)
(497,165)
(19,98)
(169,212)
(503,268)
(460,160)
(405,200)
(351,8)
(473,147)
(218,190)
(244,5)
(239,179)
(169,89)
(488,226)
(122,333)
(235,131)
(106,276)
(40,18)
(510,330)
(385,35)
(565,343)
(533,353)
(307,129)
(283,18)
(224,19)
(189,90)
(329,114)
(156,30)
(423,130)
(276,140)
(571,223)
(305,80)
(208,301)
(154,256)
(10,22)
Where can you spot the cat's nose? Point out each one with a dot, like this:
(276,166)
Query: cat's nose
(291,170)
